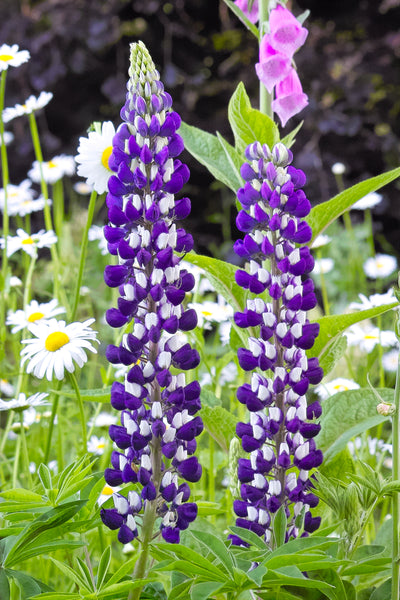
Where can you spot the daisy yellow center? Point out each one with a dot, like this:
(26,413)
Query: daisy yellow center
(56,340)
(6,57)
(35,317)
(206,313)
(51,164)
(101,445)
(106,156)
(380,264)
(371,337)
(107,491)
(340,387)
(27,240)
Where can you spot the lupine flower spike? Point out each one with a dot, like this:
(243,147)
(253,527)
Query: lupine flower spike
(279,436)
(156,438)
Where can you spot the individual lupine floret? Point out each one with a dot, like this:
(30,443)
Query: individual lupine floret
(279,435)
(159,425)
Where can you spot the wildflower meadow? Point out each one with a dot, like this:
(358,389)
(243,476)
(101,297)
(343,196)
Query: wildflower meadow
(178,426)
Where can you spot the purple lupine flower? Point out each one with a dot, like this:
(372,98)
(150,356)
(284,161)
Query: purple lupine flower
(275,70)
(159,426)
(279,435)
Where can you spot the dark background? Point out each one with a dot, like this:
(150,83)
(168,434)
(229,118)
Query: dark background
(349,67)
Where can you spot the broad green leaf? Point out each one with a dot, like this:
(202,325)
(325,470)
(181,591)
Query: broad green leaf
(101,395)
(207,149)
(189,569)
(290,138)
(36,549)
(325,213)
(333,354)
(180,591)
(102,569)
(45,476)
(208,398)
(205,508)
(190,556)
(13,507)
(217,547)
(21,495)
(122,571)
(250,537)
(346,415)
(257,574)
(220,424)
(202,591)
(58,596)
(248,124)
(27,583)
(70,573)
(85,574)
(332,325)
(293,576)
(4,586)
(235,158)
(240,15)
(383,592)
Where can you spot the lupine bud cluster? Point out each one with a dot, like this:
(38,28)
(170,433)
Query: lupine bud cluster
(156,438)
(279,435)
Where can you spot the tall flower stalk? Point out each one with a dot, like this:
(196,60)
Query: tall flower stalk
(279,435)
(158,407)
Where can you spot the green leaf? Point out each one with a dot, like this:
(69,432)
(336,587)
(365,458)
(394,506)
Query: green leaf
(220,424)
(248,124)
(325,213)
(208,150)
(208,398)
(28,584)
(102,569)
(118,590)
(101,395)
(85,574)
(202,591)
(290,138)
(383,592)
(217,547)
(332,325)
(250,537)
(240,15)
(180,591)
(346,415)
(70,573)
(194,558)
(45,476)
(333,354)
(58,596)
(21,495)
(279,526)
(205,508)
(189,569)
(4,586)
(234,157)
(122,571)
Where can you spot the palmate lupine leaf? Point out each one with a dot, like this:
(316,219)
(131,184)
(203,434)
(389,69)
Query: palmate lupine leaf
(325,213)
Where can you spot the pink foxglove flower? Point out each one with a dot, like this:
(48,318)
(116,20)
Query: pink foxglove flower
(290,98)
(251,14)
(273,65)
(287,34)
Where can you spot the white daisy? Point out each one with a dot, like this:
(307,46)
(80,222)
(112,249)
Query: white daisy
(54,169)
(104,419)
(81,187)
(381,265)
(27,207)
(338,168)
(321,240)
(390,361)
(8,138)
(368,201)
(12,56)
(6,387)
(324,390)
(22,402)
(33,313)
(216,312)
(373,301)
(15,281)
(30,105)
(96,445)
(323,265)
(16,194)
(93,155)
(107,493)
(97,233)
(366,337)
(56,346)
(29,243)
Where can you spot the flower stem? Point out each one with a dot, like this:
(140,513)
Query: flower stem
(265,96)
(75,385)
(92,204)
(58,204)
(5,179)
(51,424)
(396,477)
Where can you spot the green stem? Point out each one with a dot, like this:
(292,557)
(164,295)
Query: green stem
(16,462)
(25,455)
(84,244)
(368,219)
(5,179)
(265,96)
(45,192)
(75,385)
(51,424)
(324,293)
(58,208)
(396,477)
